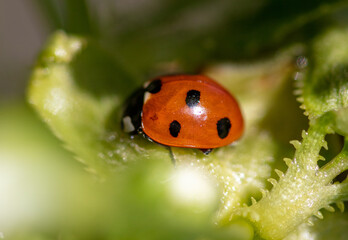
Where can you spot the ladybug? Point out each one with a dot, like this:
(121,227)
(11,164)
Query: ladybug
(189,111)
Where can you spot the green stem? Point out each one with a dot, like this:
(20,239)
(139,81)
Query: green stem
(300,193)
(335,166)
(307,152)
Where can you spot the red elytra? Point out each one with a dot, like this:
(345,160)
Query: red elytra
(190,111)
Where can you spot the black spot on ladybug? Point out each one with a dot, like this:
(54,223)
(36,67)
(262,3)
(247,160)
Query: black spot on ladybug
(223,127)
(174,128)
(192,98)
(154,86)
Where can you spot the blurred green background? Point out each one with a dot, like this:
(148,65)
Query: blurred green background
(194,33)
(46,194)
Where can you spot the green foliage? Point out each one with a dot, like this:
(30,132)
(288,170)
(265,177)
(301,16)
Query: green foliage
(89,125)
(325,86)
(283,209)
(88,68)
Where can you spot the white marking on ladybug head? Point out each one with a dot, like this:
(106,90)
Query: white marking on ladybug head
(146,84)
(146,96)
(127,124)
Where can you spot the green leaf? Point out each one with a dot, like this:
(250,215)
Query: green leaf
(77,99)
(325,86)
(79,90)
(64,202)
(79,87)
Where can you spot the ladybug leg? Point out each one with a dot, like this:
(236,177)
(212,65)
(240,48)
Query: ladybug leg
(206,151)
(172,156)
